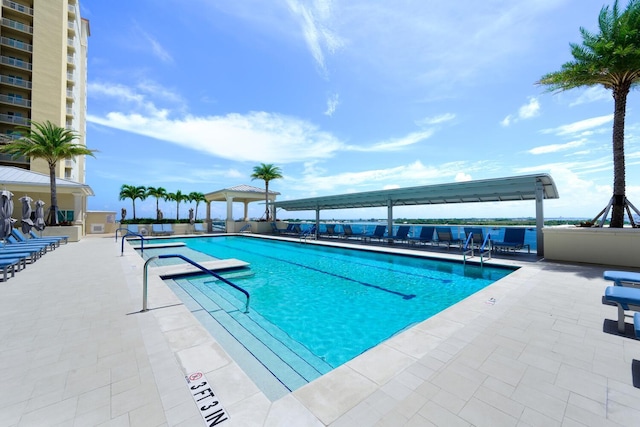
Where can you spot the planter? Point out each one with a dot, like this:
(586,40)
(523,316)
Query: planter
(606,246)
(74,232)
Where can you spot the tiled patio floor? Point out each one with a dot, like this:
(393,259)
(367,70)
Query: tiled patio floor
(75,351)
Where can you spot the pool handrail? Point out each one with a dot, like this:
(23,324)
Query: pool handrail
(195,264)
(482,249)
(132,234)
(120,228)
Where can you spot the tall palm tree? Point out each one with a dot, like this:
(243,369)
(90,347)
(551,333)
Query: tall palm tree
(266,172)
(132,192)
(196,196)
(177,197)
(158,193)
(51,143)
(610,58)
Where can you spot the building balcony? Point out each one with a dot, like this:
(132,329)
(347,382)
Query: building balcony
(70,94)
(15,100)
(69,112)
(70,76)
(17,25)
(71,44)
(14,120)
(14,62)
(71,9)
(14,81)
(18,7)
(16,44)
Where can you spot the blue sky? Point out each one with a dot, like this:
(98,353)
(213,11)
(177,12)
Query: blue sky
(346,96)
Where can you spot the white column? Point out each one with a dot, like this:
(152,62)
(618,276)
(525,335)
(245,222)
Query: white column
(78,208)
(246,210)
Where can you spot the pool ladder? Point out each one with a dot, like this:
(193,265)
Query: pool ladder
(195,264)
(484,250)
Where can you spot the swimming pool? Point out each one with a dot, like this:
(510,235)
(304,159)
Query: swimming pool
(315,307)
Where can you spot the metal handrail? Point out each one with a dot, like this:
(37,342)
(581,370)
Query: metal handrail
(195,264)
(245,227)
(129,233)
(307,233)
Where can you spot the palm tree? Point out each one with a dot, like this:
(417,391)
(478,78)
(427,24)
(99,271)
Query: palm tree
(132,192)
(51,143)
(266,172)
(197,197)
(610,58)
(158,193)
(177,197)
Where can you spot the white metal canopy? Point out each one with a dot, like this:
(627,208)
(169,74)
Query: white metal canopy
(526,187)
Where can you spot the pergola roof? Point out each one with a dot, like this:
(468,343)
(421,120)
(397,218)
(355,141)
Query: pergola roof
(19,179)
(240,193)
(486,190)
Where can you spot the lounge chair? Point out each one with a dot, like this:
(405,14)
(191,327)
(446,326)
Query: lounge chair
(275,229)
(513,240)
(636,324)
(426,236)
(446,237)
(167,229)
(198,227)
(347,232)
(33,235)
(156,230)
(625,298)
(378,233)
(133,228)
(330,231)
(9,265)
(402,234)
(24,239)
(44,245)
(623,278)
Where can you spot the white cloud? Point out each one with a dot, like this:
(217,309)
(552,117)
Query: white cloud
(395,144)
(527,111)
(462,177)
(554,148)
(580,127)
(436,120)
(593,94)
(156,48)
(315,21)
(332,104)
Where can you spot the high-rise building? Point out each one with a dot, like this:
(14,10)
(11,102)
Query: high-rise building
(43,74)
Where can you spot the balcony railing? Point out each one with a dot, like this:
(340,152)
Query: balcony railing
(69,93)
(14,81)
(16,43)
(69,111)
(71,9)
(15,100)
(14,62)
(70,76)
(17,25)
(15,120)
(19,7)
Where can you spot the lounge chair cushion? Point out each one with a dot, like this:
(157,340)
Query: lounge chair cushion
(623,296)
(620,277)
(636,324)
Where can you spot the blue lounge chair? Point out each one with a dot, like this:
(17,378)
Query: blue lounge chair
(23,239)
(198,227)
(330,231)
(167,229)
(625,298)
(347,232)
(64,239)
(446,237)
(513,240)
(156,230)
(8,265)
(378,233)
(426,236)
(22,257)
(636,324)
(623,278)
(44,246)
(477,236)
(402,234)
(275,229)
(133,228)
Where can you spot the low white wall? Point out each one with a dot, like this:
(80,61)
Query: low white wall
(607,246)
(74,232)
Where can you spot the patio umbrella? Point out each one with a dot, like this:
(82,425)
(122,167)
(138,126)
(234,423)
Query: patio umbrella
(39,224)
(26,214)
(6,210)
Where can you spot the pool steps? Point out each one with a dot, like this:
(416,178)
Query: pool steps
(287,360)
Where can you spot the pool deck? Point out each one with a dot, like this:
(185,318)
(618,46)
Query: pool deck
(537,348)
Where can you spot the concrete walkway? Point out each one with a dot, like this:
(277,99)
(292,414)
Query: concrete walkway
(534,349)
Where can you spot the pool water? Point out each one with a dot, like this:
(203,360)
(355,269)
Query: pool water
(326,304)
